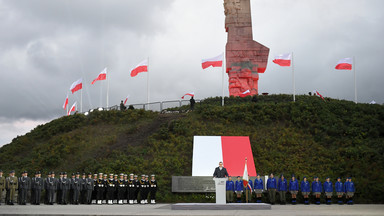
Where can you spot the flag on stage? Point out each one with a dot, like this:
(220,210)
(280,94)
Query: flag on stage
(216,61)
(344,64)
(77,85)
(65,102)
(245,176)
(141,67)
(245,94)
(192,94)
(73,108)
(317,93)
(283,60)
(126,99)
(102,76)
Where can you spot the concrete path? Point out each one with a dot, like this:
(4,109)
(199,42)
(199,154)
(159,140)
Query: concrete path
(165,209)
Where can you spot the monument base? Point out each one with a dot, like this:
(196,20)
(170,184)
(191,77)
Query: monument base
(214,206)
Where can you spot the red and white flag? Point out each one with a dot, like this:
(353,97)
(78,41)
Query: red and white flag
(320,95)
(102,76)
(245,94)
(73,108)
(245,176)
(344,64)
(65,102)
(126,99)
(283,60)
(77,85)
(192,94)
(216,61)
(141,67)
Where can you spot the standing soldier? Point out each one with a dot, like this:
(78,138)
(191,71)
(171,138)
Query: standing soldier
(239,187)
(52,185)
(110,189)
(339,191)
(2,185)
(46,195)
(64,185)
(115,192)
(59,192)
(153,189)
(293,188)
(142,189)
(271,187)
(248,190)
(317,189)
(282,188)
(11,184)
(89,187)
(349,190)
(230,189)
(73,177)
(83,189)
(328,189)
(100,187)
(37,186)
(147,184)
(305,190)
(120,189)
(131,189)
(126,193)
(94,192)
(25,186)
(137,190)
(76,187)
(258,187)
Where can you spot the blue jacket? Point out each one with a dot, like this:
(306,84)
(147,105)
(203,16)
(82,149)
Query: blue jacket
(230,186)
(258,184)
(282,185)
(239,185)
(339,187)
(250,184)
(350,187)
(328,187)
(316,186)
(293,185)
(271,183)
(305,187)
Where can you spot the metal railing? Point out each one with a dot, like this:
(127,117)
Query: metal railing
(156,106)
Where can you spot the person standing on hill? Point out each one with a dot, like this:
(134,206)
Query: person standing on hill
(239,187)
(349,190)
(271,187)
(230,189)
(317,189)
(282,188)
(339,191)
(122,106)
(258,187)
(192,103)
(328,189)
(293,188)
(305,190)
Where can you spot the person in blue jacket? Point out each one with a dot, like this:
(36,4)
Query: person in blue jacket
(317,189)
(328,189)
(339,191)
(248,189)
(230,189)
(238,189)
(271,187)
(305,190)
(293,188)
(349,190)
(258,187)
(282,189)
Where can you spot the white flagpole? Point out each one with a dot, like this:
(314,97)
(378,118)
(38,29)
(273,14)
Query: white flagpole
(222,80)
(354,76)
(148,83)
(293,79)
(107,77)
(81,101)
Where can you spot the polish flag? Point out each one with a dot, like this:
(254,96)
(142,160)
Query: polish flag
(73,108)
(245,176)
(126,99)
(208,151)
(283,60)
(77,85)
(65,103)
(192,94)
(344,64)
(141,67)
(245,94)
(102,76)
(214,62)
(320,95)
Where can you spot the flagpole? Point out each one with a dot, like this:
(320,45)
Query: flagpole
(293,79)
(148,84)
(107,76)
(354,75)
(67,103)
(222,81)
(81,101)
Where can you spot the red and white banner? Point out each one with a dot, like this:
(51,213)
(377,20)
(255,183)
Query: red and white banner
(126,99)
(318,94)
(216,61)
(192,94)
(65,102)
(245,94)
(283,60)
(102,76)
(141,67)
(208,151)
(245,176)
(73,108)
(344,64)
(77,85)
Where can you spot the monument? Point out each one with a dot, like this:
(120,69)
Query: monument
(245,58)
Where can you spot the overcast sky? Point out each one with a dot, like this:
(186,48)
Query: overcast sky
(46,45)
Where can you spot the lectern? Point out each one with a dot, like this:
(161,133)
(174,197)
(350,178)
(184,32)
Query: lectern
(220,190)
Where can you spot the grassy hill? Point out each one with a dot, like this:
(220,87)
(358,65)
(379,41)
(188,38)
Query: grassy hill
(309,137)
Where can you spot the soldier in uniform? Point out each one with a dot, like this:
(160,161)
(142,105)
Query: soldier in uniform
(25,186)
(52,185)
(37,186)
(115,193)
(229,188)
(83,189)
(2,185)
(239,187)
(317,189)
(137,189)
(126,193)
(100,187)
(89,187)
(19,189)
(339,191)
(59,191)
(73,176)
(131,189)
(293,188)
(258,187)
(76,187)
(120,189)
(153,189)
(271,187)
(105,179)
(305,190)
(142,189)
(110,189)
(94,192)
(64,185)
(46,195)
(328,189)
(11,184)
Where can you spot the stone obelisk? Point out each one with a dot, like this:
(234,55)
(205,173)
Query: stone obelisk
(245,58)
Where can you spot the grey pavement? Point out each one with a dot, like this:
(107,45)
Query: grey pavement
(165,209)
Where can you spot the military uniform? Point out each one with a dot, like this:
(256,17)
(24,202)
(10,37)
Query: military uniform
(153,189)
(25,186)
(100,187)
(137,190)
(115,192)
(59,191)
(131,190)
(125,199)
(94,192)
(110,189)
(105,179)
(83,189)
(76,187)
(121,188)
(89,187)
(11,184)
(51,186)
(37,184)
(2,185)
(71,201)
(142,190)
(64,185)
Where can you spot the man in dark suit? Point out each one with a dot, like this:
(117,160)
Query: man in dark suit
(220,172)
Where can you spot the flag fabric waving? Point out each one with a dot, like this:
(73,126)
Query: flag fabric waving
(245,94)
(141,67)
(192,94)
(245,176)
(73,108)
(65,103)
(283,60)
(77,85)
(126,99)
(344,64)
(102,76)
(216,61)
(320,95)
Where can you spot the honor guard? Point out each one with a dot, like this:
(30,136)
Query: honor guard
(293,188)
(153,189)
(52,184)
(282,189)
(317,189)
(349,190)
(64,185)
(125,199)
(120,189)
(305,190)
(76,186)
(147,189)
(239,187)
(46,195)
(258,186)
(110,189)
(105,179)
(94,192)
(25,187)
(115,179)
(271,187)
(137,189)
(100,187)
(230,189)
(142,189)
(89,187)
(83,189)
(71,201)
(58,193)
(328,189)
(37,185)
(131,189)
(2,185)
(339,191)
(11,184)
